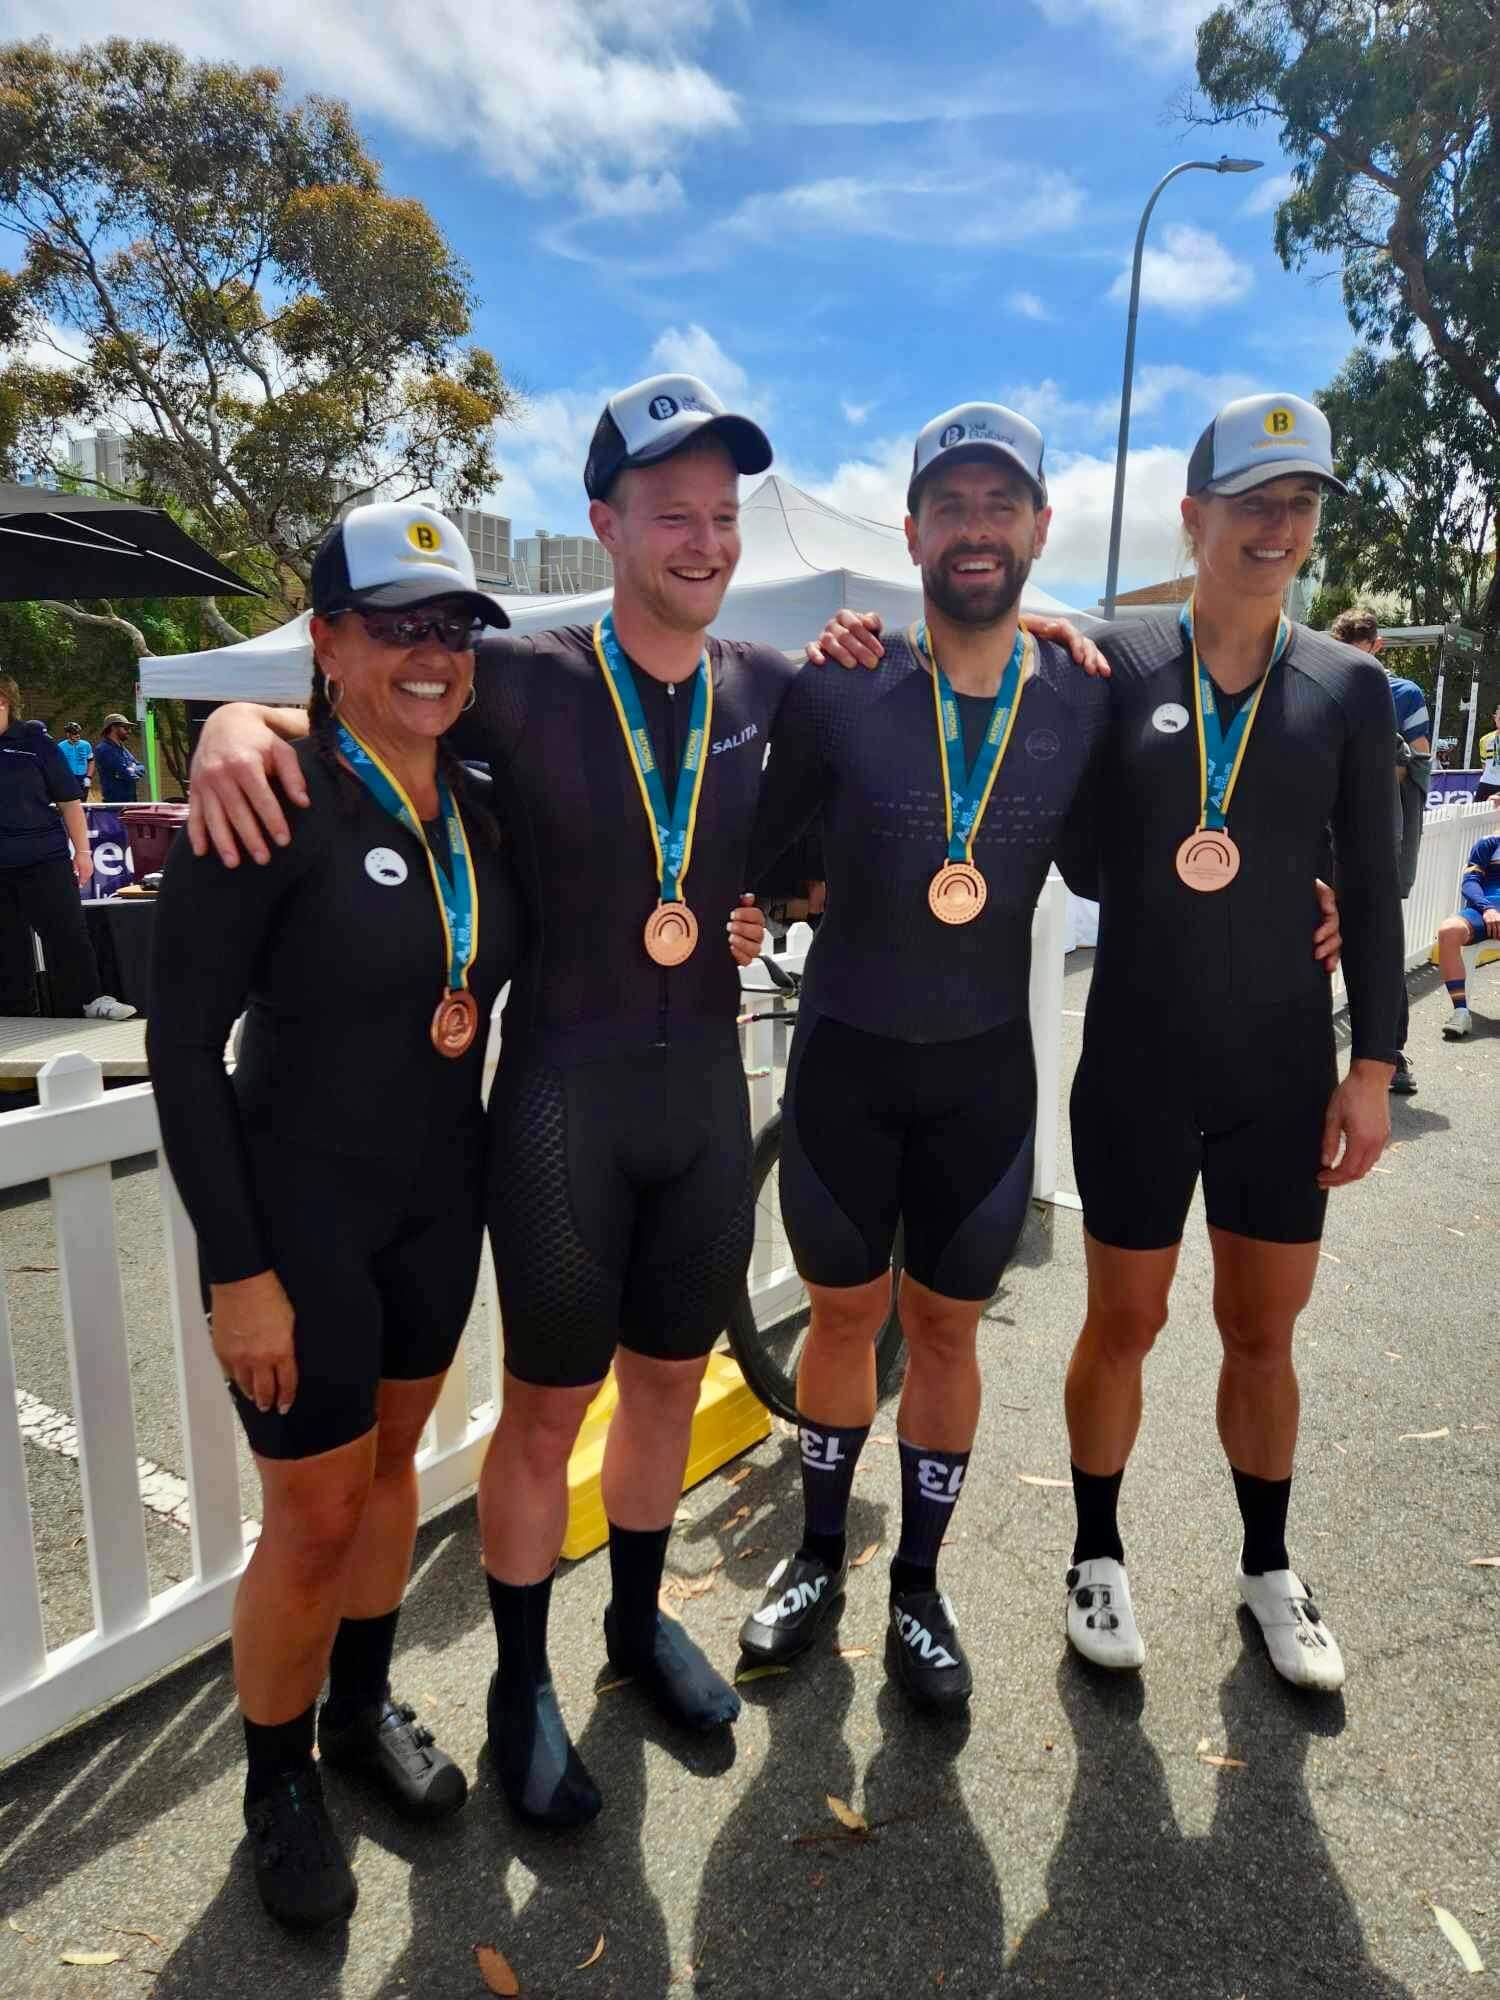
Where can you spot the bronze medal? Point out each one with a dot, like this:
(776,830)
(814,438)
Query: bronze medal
(671,934)
(455,1023)
(957,893)
(1208,860)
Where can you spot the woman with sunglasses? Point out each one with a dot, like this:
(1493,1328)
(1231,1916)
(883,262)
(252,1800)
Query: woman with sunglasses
(335,1182)
(1239,742)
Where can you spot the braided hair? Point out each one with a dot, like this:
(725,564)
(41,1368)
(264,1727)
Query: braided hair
(323,726)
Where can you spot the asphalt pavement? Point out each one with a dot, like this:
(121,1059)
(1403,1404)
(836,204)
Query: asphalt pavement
(1073,1838)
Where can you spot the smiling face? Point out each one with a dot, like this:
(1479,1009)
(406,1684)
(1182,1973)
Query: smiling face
(976,532)
(1255,543)
(396,695)
(673,531)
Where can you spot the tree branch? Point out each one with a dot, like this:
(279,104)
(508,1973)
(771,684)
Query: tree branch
(111,622)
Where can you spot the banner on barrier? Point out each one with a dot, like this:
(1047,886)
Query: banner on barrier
(110,847)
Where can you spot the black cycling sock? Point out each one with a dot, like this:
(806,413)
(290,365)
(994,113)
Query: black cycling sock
(637,1557)
(520,1614)
(675,1673)
(931,1482)
(1096,1502)
(274,1747)
(359,1671)
(830,1452)
(1263,1505)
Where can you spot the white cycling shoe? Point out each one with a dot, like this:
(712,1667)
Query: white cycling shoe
(108,1008)
(1100,1617)
(1302,1649)
(1460,1027)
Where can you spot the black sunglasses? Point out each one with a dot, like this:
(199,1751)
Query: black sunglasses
(455,631)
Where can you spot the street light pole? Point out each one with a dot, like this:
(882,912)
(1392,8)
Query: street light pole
(1223,165)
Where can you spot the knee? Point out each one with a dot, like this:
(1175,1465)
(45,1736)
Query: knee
(1453,930)
(663,1393)
(937,1336)
(538,1434)
(851,1322)
(1261,1346)
(396,1452)
(312,1539)
(1127,1331)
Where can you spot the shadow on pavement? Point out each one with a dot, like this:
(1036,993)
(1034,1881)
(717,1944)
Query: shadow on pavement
(1138,1911)
(788,1902)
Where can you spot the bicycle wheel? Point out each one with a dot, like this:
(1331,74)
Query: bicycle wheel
(770,1318)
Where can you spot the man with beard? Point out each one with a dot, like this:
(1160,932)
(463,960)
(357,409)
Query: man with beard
(945,778)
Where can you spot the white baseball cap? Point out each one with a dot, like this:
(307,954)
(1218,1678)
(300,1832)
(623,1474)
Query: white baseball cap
(393,554)
(978,430)
(652,419)
(1259,438)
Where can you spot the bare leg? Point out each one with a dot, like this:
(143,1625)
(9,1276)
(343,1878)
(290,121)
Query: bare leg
(940,1399)
(836,1377)
(1453,935)
(292,1593)
(646,1452)
(523,1487)
(1127,1309)
(1259,1289)
(380,1561)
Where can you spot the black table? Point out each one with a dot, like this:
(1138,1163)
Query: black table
(121,929)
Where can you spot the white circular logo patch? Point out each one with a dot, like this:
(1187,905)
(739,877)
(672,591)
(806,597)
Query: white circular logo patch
(385,866)
(1169,718)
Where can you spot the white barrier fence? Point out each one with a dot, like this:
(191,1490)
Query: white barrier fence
(70,1141)
(1448,833)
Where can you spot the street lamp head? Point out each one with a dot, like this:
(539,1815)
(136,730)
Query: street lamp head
(1225,165)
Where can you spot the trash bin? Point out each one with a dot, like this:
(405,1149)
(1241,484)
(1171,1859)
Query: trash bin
(151,831)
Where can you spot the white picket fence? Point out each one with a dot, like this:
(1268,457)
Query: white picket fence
(1448,833)
(70,1141)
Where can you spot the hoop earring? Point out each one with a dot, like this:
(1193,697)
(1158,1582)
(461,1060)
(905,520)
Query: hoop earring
(473,697)
(329,686)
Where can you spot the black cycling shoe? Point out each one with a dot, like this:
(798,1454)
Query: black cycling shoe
(923,1651)
(1403,1079)
(676,1675)
(301,1871)
(386,1745)
(541,1774)
(800,1594)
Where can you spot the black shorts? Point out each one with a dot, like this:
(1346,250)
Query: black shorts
(937,1136)
(380,1260)
(1145,1126)
(620,1207)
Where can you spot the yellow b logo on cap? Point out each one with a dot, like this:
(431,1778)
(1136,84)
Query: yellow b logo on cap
(422,535)
(1279,422)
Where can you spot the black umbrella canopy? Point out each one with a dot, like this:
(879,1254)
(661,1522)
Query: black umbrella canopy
(81,545)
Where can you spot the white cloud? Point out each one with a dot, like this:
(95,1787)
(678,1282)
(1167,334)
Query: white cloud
(692,350)
(1163,28)
(641,194)
(538,92)
(855,413)
(1266,195)
(1189,274)
(1158,388)
(996,204)
(1028,305)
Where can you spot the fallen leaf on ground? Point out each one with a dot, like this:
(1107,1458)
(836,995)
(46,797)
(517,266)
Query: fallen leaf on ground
(682,1514)
(816,1881)
(882,1439)
(15,1268)
(1047,1743)
(757,1674)
(846,1815)
(739,1514)
(1420,1437)
(1475,1562)
(1392,1355)
(134,1930)
(101,1958)
(851,1652)
(787,1430)
(608,1687)
(494,1970)
(1459,1938)
(1328,1257)
(740,1474)
(1340,1449)
(594,1956)
(11,1922)
(1206,1754)
(1452,1232)
(870,1549)
(1036,1479)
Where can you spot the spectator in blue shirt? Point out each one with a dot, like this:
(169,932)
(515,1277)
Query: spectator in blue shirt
(40,812)
(78,754)
(1413,744)
(119,773)
(1477,922)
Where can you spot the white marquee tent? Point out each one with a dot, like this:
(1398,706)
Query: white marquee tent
(801,561)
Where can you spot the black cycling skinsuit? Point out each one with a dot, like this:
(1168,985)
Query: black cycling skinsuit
(911,1091)
(345,1153)
(620,1207)
(1209,1043)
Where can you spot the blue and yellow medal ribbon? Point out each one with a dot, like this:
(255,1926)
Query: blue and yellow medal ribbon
(1221,752)
(966,792)
(458,904)
(672,826)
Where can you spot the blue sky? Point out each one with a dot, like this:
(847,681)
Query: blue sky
(845,214)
